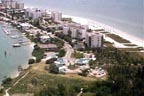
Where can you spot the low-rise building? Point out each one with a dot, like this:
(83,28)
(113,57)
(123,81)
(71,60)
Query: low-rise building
(25,26)
(44,39)
(49,47)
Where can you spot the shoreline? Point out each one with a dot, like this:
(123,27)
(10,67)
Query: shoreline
(93,24)
(25,65)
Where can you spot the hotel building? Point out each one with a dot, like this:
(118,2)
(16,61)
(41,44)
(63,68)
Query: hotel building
(56,16)
(34,13)
(77,31)
(12,4)
(94,40)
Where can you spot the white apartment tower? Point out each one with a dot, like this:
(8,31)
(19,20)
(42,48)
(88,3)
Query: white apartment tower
(56,16)
(34,13)
(77,31)
(94,40)
(12,4)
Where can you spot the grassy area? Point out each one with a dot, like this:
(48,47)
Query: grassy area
(45,80)
(130,45)
(108,44)
(39,79)
(104,32)
(77,55)
(118,38)
(137,55)
(130,49)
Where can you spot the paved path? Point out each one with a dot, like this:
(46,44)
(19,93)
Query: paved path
(69,51)
(6,91)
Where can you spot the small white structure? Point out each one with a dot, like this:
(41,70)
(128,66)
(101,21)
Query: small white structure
(63,69)
(25,26)
(44,39)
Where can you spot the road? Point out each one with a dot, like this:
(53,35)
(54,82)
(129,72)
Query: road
(69,51)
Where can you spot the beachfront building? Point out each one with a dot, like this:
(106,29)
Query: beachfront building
(94,40)
(12,4)
(56,16)
(75,30)
(19,5)
(34,13)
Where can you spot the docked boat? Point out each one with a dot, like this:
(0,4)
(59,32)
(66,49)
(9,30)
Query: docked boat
(16,45)
(15,36)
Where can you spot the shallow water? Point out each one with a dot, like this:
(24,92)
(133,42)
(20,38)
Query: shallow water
(11,58)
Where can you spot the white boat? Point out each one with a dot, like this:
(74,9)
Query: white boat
(15,36)
(16,45)
(6,31)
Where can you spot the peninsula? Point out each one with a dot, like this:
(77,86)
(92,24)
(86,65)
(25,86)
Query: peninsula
(72,56)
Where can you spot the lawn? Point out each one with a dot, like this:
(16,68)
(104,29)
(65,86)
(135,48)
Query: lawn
(39,79)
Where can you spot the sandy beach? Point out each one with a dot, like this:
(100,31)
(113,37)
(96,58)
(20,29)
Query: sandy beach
(97,25)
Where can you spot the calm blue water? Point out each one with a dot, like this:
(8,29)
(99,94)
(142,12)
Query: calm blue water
(126,15)
(15,56)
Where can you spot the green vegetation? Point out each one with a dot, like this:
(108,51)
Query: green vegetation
(65,37)
(38,53)
(117,38)
(62,53)
(53,69)
(125,78)
(51,61)
(7,82)
(31,61)
(130,45)
(58,42)
(84,72)
(77,55)
(72,67)
(39,83)
(67,19)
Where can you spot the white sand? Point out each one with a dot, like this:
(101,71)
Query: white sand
(97,25)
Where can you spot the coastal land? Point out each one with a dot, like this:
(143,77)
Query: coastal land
(57,68)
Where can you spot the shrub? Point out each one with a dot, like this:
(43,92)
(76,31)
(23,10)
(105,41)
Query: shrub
(31,61)
(7,81)
(51,61)
(53,69)
(62,53)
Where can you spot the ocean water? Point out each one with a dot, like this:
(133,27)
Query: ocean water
(125,15)
(14,56)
